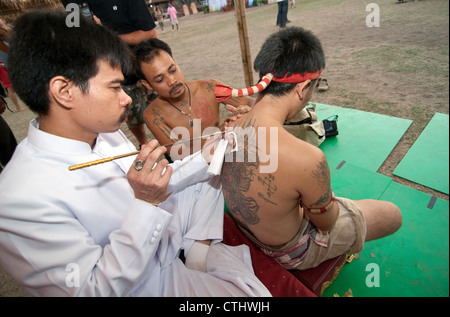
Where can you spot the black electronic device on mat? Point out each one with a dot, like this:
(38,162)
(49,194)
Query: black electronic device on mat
(330,126)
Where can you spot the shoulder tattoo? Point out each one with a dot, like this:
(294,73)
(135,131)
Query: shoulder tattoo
(210,85)
(322,175)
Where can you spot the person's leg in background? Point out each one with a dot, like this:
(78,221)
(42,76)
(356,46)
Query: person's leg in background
(284,11)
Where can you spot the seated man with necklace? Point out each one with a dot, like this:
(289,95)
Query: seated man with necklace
(190,107)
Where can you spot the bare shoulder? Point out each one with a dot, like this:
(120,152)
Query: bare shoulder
(155,114)
(306,163)
(203,90)
(296,157)
(305,154)
(154,106)
(205,84)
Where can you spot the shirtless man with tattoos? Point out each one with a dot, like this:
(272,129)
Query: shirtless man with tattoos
(290,211)
(190,107)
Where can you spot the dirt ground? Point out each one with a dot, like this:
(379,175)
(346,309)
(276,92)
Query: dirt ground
(399,69)
(386,69)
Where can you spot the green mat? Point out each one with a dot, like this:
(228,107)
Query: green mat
(415,260)
(427,161)
(354,182)
(365,139)
(412,262)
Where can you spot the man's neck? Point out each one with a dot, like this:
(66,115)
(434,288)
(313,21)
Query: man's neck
(47,124)
(276,108)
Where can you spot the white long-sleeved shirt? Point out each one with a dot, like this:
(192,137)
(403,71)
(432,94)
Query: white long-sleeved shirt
(82,232)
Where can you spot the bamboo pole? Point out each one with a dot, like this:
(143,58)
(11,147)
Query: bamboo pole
(241,19)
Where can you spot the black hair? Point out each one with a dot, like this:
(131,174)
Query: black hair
(292,50)
(146,51)
(43,46)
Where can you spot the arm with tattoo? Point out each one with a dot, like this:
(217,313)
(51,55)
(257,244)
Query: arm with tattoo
(156,124)
(320,195)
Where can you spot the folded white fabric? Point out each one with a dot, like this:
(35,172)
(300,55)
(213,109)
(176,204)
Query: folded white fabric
(219,155)
(215,166)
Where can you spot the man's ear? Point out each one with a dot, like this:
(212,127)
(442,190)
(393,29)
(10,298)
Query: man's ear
(146,84)
(61,90)
(302,88)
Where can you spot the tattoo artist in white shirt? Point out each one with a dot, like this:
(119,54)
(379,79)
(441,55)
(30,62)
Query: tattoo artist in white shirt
(109,229)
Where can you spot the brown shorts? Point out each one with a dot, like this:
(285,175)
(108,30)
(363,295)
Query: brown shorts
(308,248)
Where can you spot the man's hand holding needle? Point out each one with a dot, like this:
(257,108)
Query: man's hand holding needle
(149,178)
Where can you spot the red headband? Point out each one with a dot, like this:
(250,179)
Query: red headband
(224,92)
(298,78)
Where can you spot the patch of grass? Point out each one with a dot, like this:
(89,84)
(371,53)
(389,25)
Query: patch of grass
(307,5)
(443,50)
(357,100)
(400,59)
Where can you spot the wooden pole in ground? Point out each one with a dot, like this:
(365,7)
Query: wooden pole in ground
(241,19)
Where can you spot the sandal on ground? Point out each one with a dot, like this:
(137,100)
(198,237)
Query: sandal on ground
(323,84)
